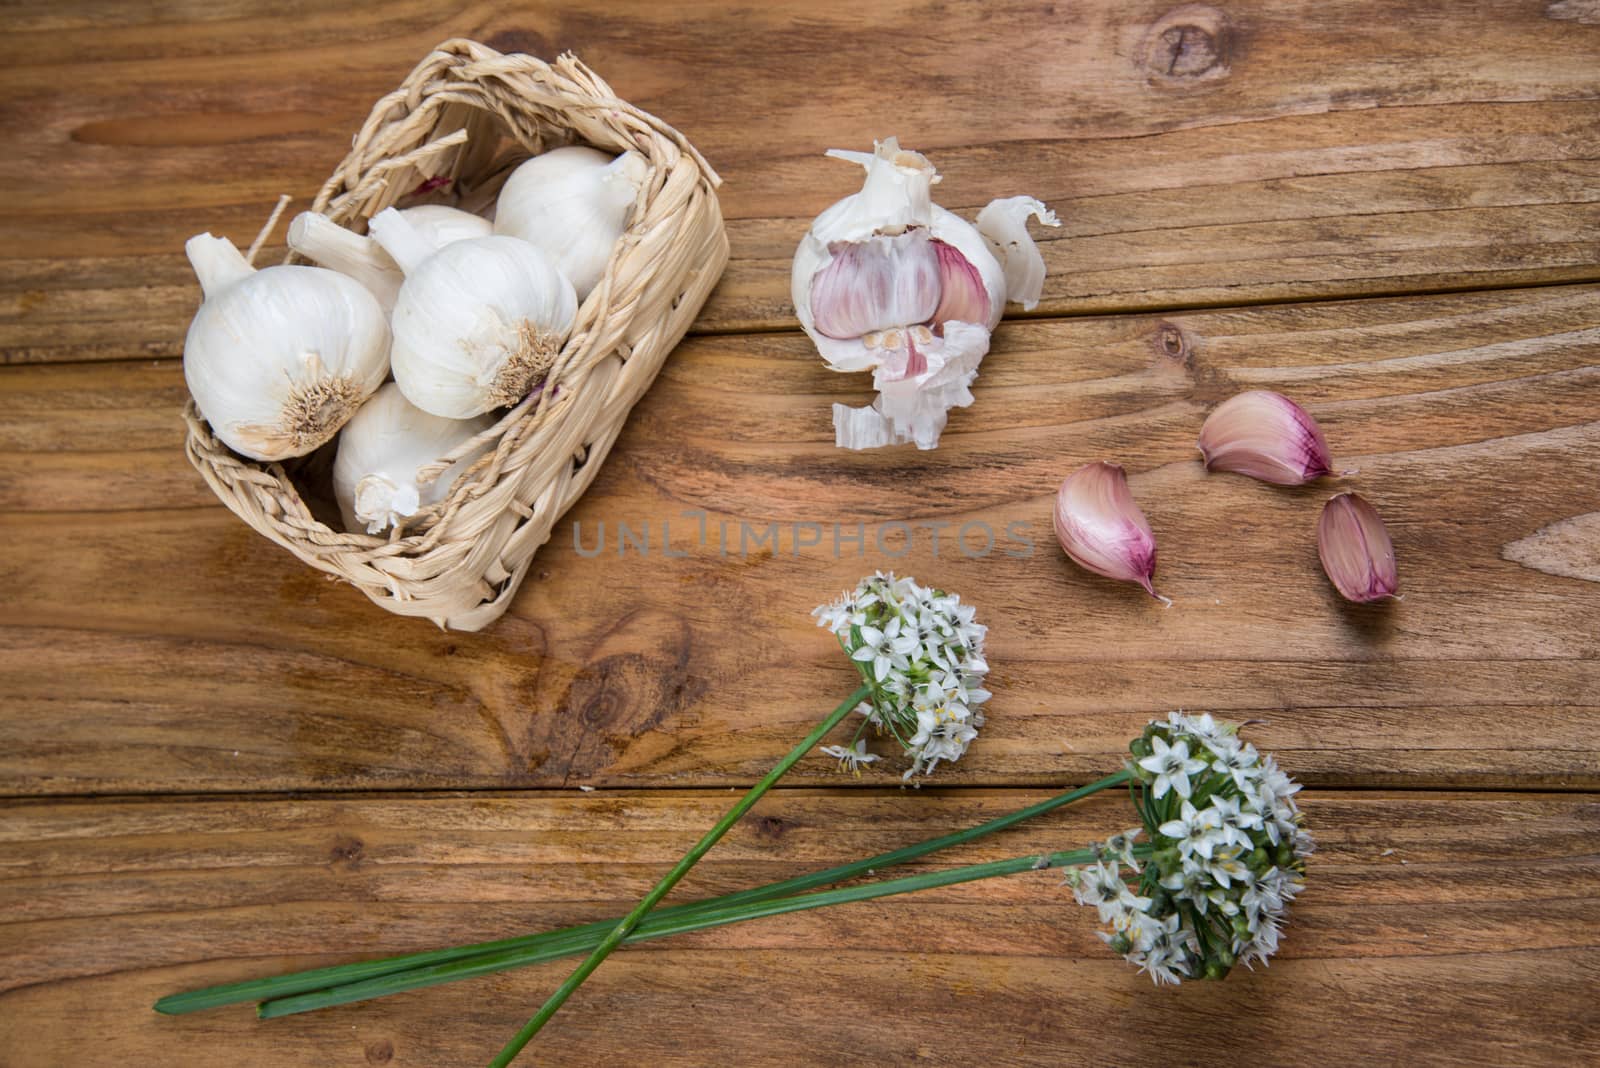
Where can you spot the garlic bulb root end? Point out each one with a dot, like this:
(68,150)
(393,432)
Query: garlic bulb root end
(381,504)
(526,367)
(314,411)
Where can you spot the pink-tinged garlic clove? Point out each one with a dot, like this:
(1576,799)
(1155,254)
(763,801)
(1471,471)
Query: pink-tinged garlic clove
(962,294)
(876,284)
(1355,549)
(1102,529)
(1267,436)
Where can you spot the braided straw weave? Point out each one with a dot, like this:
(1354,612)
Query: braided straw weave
(451,133)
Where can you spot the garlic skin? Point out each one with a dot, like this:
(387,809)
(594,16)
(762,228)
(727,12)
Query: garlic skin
(478,322)
(887,281)
(1101,527)
(277,360)
(1267,436)
(383,450)
(1004,224)
(573,203)
(319,238)
(1355,549)
(440,224)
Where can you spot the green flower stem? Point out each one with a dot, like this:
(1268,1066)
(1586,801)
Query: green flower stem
(679,870)
(713,914)
(307,991)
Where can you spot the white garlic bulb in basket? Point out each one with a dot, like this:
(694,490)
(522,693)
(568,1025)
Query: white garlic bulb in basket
(319,238)
(478,323)
(277,360)
(382,452)
(573,203)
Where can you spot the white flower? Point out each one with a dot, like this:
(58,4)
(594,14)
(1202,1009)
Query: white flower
(1240,762)
(1171,765)
(1100,885)
(1196,831)
(1202,727)
(1232,822)
(886,648)
(922,653)
(853,758)
(1121,847)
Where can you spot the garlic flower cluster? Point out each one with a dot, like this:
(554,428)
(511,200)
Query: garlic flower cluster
(1227,854)
(922,653)
(887,281)
(468,316)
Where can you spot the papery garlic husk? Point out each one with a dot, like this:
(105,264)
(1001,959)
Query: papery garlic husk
(277,360)
(573,203)
(1267,436)
(319,238)
(1102,528)
(478,323)
(887,281)
(384,452)
(1355,549)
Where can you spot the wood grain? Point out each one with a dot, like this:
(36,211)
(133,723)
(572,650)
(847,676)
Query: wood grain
(1198,155)
(1477,909)
(175,650)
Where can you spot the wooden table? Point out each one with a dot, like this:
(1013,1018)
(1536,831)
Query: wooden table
(218,764)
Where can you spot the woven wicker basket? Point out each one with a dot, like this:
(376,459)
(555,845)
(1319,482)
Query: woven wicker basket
(450,134)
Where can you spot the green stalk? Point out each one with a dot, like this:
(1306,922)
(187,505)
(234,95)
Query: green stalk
(679,870)
(660,925)
(307,991)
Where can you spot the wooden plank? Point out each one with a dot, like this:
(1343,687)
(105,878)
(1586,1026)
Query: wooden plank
(1198,156)
(154,643)
(1480,909)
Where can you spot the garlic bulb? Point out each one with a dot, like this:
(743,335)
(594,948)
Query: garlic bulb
(440,224)
(1267,436)
(573,203)
(381,453)
(1355,549)
(1101,527)
(317,237)
(888,281)
(478,322)
(278,359)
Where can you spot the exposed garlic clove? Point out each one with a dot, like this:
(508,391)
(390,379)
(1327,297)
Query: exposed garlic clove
(876,284)
(963,297)
(1267,436)
(1101,527)
(1355,549)
(960,237)
(1004,224)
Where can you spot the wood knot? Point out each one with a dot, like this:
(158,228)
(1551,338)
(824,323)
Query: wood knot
(1172,343)
(380,1052)
(1191,43)
(346,849)
(769,826)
